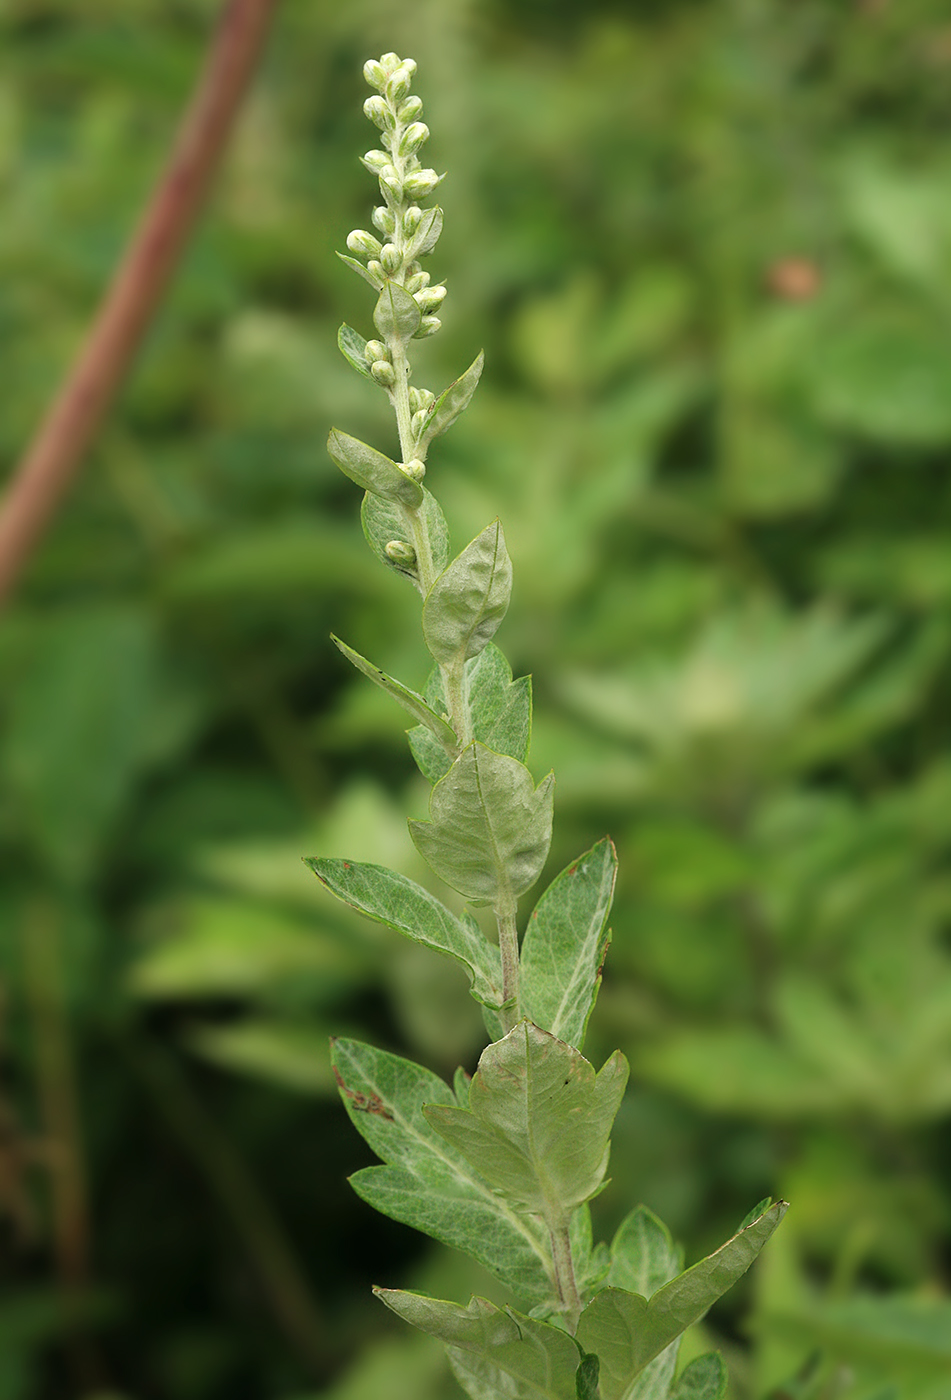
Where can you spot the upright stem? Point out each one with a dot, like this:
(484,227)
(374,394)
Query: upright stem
(508,947)
(565,1275)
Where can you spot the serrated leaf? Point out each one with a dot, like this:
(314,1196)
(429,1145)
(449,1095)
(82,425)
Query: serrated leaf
(538,1123)
(469,599)
(452,402)
(352,347)
(489,827)
(533,1353)
(396,314)
(627,1331)
(704,1379)
(413,703)
(385,520)
(391,899)
(372,470)
(565,945)
(427,234)
(500,710)
(359,267)
(425,1182)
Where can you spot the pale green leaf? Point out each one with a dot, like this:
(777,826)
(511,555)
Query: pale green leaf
(371,470)
(643,1255)
(704,1379)
(452,402)
(427,234)
(411,702)
(359,267)
(426,1183)
(627,1331)
(469,599)
(489,827)
(396,314)
(392,899)
(483,1381)
(538,1123)
(565,945)
(352,347)
(385,520)
(500,710)
(532,1352)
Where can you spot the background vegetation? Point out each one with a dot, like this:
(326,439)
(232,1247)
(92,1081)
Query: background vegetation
(707,247)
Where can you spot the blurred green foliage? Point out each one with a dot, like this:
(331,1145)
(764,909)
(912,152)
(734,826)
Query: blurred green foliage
(707,247)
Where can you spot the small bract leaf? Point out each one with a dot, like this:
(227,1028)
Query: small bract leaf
(352,347)
(359,267)
(427,233)
(538,1123)
(565,945)
(385,520)
(468,601)
(627,1332)
(533,1353)
(371,470)
(489,827)
(452,402)
(426,1183)
(586,1379)
(391,899)
(396,315)
(411,702)
(704,1379)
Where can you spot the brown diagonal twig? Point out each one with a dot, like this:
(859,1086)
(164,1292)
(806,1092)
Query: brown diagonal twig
(55,454)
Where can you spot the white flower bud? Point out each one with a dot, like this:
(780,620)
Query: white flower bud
(375,350)
(374,73)
(413,137)
(420,183)
(429,325)
(375,269)
(401,553)
(389,61)
(411,219)
(383,372)
(419,420)
(409,110)
(359,241)
(415,469)
(416,399)
(390,180)
(410,64)
(379,113)
(417,282)
(376,161)
(391,258)
(430,299)
(398,83)
(384,220)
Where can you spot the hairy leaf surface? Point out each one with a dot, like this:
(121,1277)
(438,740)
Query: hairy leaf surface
(538,1123)
(371,470)
(489,827)
(500,709)
(385,520)
(565,945)
(469,599)
(452,402)
(413,703)
(353,347)
(392,899)
(396,314)
(704,1379)
(425,1182)
(643,1259)
(627,1331)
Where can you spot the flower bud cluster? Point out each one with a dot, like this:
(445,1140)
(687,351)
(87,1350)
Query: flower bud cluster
(380,361)
(406,231)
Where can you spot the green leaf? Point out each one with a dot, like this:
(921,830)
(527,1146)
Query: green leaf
(538,1123)
(384,520)
(500,709)
(371,470)
(490,827)
(704,1379)
(643,1256)
(533,1353)
(359,267)
(411,702)
(425,1182)
(468,601)
(392,899)
(427,234)
(586,1380)
(352,347)
(565,945)
(451,403)
(627,1331)
(396,314)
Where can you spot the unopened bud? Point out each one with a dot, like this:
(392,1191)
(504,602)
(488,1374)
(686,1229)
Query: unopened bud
(419,421)
(411,219)
(417,282)
(379,113)
(417,399)
(415,469)
(384,220)
(409,110)
(359,241)
(398,83)
(374,73)
(375,350)
(401,553)
(390,180)
(389,61)
(384,373)
(415,135)
(429,325)
(376,161)
(375,269)
(430,299)
(420,183)
(391,258)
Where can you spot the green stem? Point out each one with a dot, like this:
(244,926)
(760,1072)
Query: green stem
(565,1280)
(508,948)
